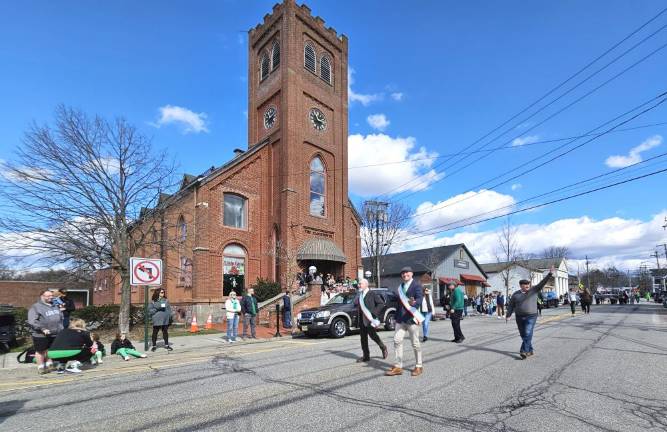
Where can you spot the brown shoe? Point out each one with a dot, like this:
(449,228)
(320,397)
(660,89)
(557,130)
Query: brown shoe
(394,371)
(385,353)
(417,371)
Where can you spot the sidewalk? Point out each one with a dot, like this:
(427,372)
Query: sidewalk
(181,344)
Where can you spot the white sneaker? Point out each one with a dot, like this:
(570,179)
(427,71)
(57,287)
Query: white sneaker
(100,361)
(143,356)
(73,369)
(126,358)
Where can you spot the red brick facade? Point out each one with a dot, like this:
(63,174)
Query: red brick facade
(272,176)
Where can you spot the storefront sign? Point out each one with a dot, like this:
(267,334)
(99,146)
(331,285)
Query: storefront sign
(461,264)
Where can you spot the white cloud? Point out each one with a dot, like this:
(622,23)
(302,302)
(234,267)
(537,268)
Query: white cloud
(397,96)
(516,186)
(612,241)
(364,99)
(378,121)
(635,153)
(189,121)
(528,139)
(467,205)
(384,151)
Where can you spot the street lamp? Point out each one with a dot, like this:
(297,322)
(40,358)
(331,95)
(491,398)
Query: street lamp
(376,211)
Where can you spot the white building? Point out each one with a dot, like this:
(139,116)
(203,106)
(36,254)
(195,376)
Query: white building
(532,269)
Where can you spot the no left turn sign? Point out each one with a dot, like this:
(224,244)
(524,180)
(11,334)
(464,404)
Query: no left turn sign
(145,271)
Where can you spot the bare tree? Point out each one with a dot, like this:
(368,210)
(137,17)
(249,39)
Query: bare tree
(431,263)
(287,267)
(397,223)
(508,253)
(76,189)
(556,252)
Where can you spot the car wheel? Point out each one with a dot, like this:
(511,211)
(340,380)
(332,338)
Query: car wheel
(339,327)
(390,321)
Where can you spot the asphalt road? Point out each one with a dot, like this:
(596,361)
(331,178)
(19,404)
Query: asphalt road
(605,371)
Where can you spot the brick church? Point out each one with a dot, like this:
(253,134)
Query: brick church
(285,197)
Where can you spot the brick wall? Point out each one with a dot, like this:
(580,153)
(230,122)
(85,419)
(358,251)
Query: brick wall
(26,293)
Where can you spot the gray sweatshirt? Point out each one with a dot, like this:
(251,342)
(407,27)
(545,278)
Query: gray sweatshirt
(525,303)
(43,316)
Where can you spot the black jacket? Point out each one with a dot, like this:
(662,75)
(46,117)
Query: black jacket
(118,344)
(374,304)
(246,305)
(69,305)
(70,339)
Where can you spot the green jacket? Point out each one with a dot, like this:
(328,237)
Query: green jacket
(456,301)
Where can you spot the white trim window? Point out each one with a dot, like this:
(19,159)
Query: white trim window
(317,187)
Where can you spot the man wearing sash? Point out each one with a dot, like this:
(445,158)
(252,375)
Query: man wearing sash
(369,304)
(408,320)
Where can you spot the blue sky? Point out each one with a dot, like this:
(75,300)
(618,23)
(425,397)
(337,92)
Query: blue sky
(460,68)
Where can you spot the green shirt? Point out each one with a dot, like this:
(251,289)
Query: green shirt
(456,301)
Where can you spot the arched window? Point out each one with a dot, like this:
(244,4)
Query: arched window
(263,66)
(325,69)
(234,260)
(275,55)
(234,212)
(317,187)
(309,58)
(182,229)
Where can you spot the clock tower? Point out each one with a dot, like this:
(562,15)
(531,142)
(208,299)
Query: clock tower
(298,105)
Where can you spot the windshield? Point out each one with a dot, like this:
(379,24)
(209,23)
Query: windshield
(341,299)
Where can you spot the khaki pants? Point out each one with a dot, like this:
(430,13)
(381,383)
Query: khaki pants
(413,331)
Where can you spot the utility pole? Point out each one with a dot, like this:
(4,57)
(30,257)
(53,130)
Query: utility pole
(657,259)
(588,276)
(376,211)
(664,245)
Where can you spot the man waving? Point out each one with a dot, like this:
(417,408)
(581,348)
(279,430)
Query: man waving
(408,320)
(369,305)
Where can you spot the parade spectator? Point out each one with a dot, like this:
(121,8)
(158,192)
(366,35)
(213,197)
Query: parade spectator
(466,303)
(287,310)
(500,305)
(586,300)
(302,283)
(160,313)
(232,312)
(427,310)
(540,304)
(408,319)
(456,304)
(478,304)
(249,309)
(124,348)
(572,298)
(45,321)
(524,304)
(369,306)
(72,346)
(97,350)
(68,306)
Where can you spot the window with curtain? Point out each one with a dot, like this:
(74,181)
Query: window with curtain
(234,211)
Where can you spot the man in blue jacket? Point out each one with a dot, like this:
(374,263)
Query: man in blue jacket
(408,320)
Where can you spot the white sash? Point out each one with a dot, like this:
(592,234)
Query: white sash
(416,315)
(369,316)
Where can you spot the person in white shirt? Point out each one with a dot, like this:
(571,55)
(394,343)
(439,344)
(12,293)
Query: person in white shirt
(232,312)
(427,309)
(572,297)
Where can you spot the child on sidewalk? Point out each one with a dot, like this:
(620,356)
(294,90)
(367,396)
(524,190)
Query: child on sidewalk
(98,350)
(124,348)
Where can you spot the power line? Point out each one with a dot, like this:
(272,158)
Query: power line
(541,205)
(550,92)
(557,156)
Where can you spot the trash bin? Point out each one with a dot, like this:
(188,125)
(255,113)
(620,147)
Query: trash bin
(7,328)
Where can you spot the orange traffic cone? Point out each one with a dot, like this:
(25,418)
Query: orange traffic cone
(209,322)
(194,328)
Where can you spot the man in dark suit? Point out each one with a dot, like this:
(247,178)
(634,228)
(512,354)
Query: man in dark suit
(407,323)
(373,304)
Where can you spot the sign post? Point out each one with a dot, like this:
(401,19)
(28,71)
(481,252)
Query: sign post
(145,272)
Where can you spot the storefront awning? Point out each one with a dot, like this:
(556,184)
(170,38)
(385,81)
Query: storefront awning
(472,278)
(320,249)
(446,280)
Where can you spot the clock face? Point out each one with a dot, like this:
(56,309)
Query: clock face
(270,117)
(317,119)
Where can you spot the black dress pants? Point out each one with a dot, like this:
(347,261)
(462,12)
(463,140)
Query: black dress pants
(365,332)
(165,334)
(456,324)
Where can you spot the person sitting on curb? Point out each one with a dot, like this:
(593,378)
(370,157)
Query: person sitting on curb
(72,345)
(98,349)
(124,348)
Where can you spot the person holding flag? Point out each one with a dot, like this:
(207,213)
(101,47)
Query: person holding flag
(408,320)
(369,305)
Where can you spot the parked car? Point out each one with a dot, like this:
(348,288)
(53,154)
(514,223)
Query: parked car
(340,315)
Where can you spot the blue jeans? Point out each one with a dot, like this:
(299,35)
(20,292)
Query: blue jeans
(233,327)
(426,323)
(465,310)
(526,324)
(287,318)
